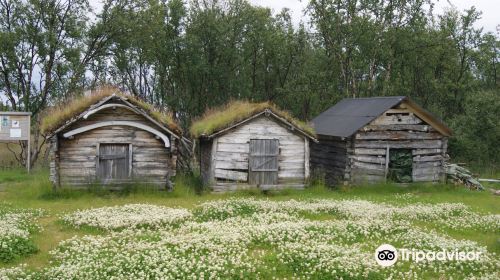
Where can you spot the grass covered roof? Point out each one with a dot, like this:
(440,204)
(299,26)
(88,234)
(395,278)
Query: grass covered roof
(59,115)
(230,114)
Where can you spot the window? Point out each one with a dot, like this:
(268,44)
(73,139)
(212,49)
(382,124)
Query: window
(114,162)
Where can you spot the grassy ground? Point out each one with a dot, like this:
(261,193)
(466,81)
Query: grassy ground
(22,190)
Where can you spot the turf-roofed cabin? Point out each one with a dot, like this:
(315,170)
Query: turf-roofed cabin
(109,138)
(378,139)
(252,145)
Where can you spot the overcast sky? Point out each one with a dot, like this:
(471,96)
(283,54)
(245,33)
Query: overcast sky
(490,18)
(489,21)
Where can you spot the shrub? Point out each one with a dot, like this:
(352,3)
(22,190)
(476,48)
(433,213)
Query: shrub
(477,130)
(16,226)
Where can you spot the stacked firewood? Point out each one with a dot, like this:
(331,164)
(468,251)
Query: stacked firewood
(460,175)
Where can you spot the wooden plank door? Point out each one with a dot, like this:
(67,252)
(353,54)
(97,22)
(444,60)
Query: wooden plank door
(113,162)
(263,162)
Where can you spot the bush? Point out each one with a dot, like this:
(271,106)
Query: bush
(16,226)
(477,130)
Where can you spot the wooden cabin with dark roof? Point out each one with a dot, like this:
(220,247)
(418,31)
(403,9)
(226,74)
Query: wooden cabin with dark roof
(379,139)
(252,145)
(109,138)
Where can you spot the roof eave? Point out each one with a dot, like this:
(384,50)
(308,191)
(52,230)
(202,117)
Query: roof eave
(429,118)
(103,101)
(256,115)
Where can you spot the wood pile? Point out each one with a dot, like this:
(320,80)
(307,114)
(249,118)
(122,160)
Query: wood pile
(460,175)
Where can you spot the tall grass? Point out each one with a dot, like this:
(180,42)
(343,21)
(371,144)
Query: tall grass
(219,118)
(56,116)
(35,190)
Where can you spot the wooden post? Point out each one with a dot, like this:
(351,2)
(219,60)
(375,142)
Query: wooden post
(29,145)
(386,162)
(213,159)
(306,158)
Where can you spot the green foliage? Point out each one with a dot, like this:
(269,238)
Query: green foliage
(18,247)
(232,208)
(186,58)
(17,226)
(400,165)
(477,130)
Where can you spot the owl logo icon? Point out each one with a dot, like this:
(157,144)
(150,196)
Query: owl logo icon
(386,255)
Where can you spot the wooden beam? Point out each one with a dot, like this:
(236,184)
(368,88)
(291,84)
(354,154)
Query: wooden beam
(118,123)
(98,146)
(398,135)
(109,105)
(386,170)
(146,115)
(306,158)
(427,117)
(231,175)
(130,160)
(213,159)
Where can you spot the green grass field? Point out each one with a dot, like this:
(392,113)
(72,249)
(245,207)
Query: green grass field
(19,190)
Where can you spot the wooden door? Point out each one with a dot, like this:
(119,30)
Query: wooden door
(113,162)
(263,162)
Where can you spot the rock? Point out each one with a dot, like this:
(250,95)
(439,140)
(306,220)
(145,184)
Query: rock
(497,192)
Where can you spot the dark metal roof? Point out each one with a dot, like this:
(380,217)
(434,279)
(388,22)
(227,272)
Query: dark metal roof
(351,114)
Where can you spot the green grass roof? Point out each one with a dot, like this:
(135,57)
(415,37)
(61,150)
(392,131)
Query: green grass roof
(57,116)
(220,118)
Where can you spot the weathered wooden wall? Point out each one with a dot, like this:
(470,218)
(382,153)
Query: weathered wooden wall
(75,159)
(397,128)
(227,155)
(329,159)
(362,157)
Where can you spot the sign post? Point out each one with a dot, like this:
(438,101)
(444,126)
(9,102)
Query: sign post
(16,126)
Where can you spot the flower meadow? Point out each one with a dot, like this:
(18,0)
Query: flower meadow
(264,239)
(127,216)
(16,227)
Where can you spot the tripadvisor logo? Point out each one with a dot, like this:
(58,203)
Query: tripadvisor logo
(387,255)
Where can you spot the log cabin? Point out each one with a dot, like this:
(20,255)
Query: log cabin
(111,139)
(368,140)
(252,145)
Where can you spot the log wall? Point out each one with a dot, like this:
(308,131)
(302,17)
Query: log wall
(225,160)
(329,159)
(397,129)
(152,162)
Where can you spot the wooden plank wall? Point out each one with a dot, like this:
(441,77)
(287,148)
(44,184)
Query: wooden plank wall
(152,163)
(329,158)
(397,128)
(230,161)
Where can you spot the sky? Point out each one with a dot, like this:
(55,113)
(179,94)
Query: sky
(489,20)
